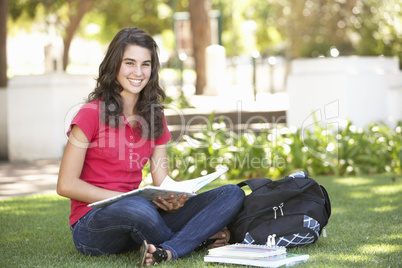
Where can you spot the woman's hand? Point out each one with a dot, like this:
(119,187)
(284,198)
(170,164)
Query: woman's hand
(172,204)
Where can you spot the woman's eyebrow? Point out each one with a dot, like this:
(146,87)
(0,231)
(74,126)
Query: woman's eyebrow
(130,59)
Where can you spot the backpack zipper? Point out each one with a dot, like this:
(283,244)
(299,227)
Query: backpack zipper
(280,207)
(276,208)
(262,212)
(271,240)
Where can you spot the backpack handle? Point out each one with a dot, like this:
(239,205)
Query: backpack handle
(254,183)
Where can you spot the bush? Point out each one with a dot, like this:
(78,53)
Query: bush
(279,151)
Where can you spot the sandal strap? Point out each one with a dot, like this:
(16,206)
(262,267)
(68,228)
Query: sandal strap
(160,254)
(143,252)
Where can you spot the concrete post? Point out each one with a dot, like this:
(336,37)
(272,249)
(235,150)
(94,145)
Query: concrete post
(215,70)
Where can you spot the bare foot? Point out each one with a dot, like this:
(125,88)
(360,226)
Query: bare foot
(222,238)
(150,259)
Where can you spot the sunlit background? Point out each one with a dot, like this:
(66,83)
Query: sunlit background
(330,61)
(284,85)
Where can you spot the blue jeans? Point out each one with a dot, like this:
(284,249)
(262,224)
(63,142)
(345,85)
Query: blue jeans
(123,225)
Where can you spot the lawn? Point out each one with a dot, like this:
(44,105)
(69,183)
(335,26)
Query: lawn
(365,230)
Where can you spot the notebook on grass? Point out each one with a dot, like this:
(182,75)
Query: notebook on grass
(247,251)
(288,259)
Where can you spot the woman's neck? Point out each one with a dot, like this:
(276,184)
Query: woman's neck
(129,103)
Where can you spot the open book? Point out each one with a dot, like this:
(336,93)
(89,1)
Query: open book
(166,189)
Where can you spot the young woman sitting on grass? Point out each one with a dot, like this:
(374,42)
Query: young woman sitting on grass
(112,137)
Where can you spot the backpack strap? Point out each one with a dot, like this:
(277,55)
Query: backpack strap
(254,183)
(327,200)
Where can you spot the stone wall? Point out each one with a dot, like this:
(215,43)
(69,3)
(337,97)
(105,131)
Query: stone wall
(39,108)
(359,89)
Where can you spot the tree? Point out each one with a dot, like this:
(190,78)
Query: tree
(112,16)
(380,30)
(65,15)
(68,16)
(306,28)
(3,43)
(201,36)
(76,11)
(233,14)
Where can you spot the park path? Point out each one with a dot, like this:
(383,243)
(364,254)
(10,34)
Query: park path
(23,178)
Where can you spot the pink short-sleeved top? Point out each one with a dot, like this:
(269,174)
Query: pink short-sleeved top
(115,156)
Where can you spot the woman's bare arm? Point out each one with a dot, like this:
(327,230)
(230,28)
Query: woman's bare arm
(69,183)
(159,165)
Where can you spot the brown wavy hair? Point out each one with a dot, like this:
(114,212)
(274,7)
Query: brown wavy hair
(149,106)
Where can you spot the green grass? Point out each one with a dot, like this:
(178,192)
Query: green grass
(365,230)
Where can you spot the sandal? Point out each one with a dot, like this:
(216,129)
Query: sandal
(143,252)
(159,255)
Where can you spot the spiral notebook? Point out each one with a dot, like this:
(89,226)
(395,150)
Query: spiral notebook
(288,259)
(247,251)
(267,255)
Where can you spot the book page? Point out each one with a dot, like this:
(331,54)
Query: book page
(167,188)
(193,185)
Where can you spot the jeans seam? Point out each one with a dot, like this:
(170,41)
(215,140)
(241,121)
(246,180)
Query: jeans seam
(115,227)
(86,249)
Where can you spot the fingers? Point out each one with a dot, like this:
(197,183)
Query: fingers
(221,239)
(172,204)
(218,243)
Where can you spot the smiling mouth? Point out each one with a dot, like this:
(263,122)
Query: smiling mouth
(135,81)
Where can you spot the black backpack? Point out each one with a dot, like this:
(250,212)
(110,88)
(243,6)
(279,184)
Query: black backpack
(294,209)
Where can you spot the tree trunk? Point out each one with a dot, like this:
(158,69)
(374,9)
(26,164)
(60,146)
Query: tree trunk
(3,43)
(201,31)
(76,14)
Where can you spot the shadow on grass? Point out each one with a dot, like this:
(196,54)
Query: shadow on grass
(365,230)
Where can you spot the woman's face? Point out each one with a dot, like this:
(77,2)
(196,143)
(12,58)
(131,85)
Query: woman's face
(135,70)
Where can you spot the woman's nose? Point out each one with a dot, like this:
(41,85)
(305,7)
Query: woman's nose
(137,71)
